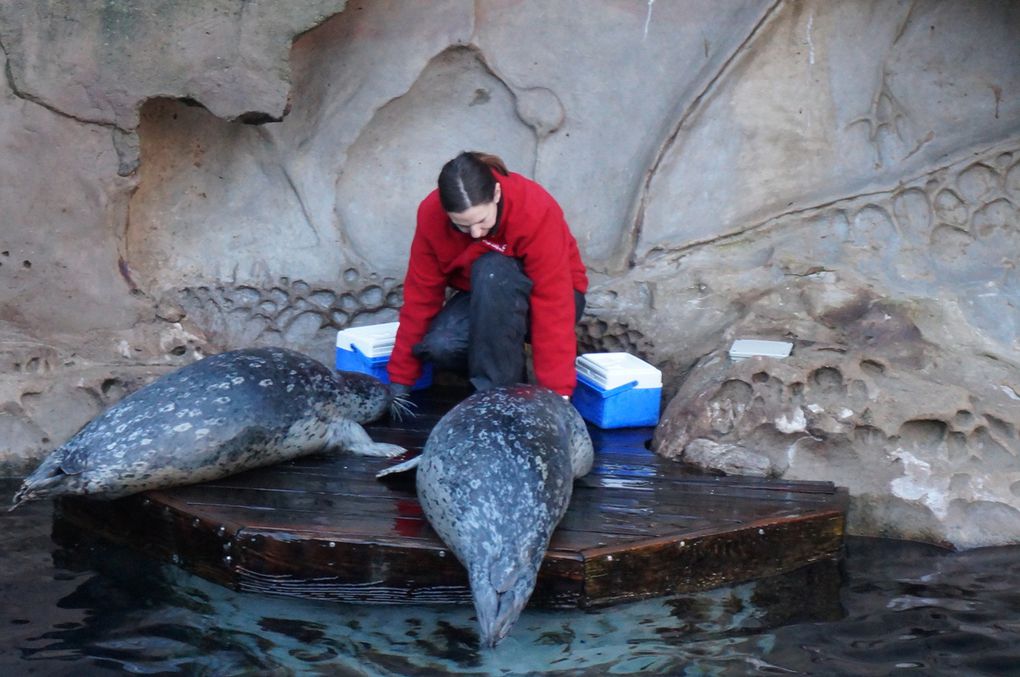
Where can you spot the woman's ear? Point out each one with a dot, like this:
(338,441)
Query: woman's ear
(497,193)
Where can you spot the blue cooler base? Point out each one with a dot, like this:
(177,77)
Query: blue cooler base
(629,408)
(354,360)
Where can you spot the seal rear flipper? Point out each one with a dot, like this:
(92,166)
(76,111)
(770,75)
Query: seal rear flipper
(497,610)
(404,466)
(37,488)
(51,478)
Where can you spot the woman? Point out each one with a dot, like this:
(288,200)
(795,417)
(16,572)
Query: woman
(499,240)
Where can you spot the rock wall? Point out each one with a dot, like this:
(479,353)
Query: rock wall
(182,178)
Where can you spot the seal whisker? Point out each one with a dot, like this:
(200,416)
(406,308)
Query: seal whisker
(401,407)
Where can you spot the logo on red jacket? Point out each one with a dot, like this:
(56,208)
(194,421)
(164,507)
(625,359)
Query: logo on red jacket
(501,248)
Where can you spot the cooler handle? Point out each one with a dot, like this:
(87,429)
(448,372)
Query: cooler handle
(371,360)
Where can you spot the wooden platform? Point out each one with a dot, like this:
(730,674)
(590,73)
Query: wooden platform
(324,527)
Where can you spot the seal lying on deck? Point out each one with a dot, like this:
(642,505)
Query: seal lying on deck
(494,480)
(221,415)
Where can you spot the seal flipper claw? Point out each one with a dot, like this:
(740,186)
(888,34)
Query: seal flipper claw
(18,499)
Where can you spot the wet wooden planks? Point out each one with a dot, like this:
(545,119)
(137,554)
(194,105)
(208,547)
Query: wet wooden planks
(323,527)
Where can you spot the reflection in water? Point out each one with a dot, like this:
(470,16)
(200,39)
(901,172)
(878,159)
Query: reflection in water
(890,607)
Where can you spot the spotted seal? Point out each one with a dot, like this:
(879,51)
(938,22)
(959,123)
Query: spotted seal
(494,479)
(220,415)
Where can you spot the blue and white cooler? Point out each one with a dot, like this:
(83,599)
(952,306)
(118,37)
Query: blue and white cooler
(367,350)
(617,390)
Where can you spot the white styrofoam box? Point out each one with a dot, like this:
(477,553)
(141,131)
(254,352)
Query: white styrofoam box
(611,370)
(374,340)
(744,348)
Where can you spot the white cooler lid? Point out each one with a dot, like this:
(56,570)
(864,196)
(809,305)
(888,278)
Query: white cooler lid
(372,340)
(612,370)
(743,348)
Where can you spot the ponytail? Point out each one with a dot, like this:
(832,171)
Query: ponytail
(467,180)
(491,161)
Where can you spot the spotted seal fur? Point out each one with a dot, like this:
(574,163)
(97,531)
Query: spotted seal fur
(221,415)
(494,479)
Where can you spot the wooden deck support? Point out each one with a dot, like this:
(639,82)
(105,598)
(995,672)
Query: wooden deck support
(323,527)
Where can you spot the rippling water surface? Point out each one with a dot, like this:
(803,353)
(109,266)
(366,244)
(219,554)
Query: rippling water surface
(889,608)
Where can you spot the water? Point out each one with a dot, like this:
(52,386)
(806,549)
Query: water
(890,608)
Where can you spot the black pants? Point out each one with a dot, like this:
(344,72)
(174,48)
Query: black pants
(482,333)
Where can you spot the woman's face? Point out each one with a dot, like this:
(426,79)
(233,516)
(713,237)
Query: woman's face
(478,220)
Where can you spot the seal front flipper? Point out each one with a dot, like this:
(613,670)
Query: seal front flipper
(349,436)
(582,453)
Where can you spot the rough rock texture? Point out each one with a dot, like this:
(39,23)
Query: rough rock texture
(181,178)
(903,384)
(916,465)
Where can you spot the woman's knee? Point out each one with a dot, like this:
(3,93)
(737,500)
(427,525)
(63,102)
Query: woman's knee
(495,266)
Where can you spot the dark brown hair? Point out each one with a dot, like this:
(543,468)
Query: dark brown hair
(467,180)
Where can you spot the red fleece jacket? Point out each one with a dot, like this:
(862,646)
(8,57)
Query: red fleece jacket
(531,228)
